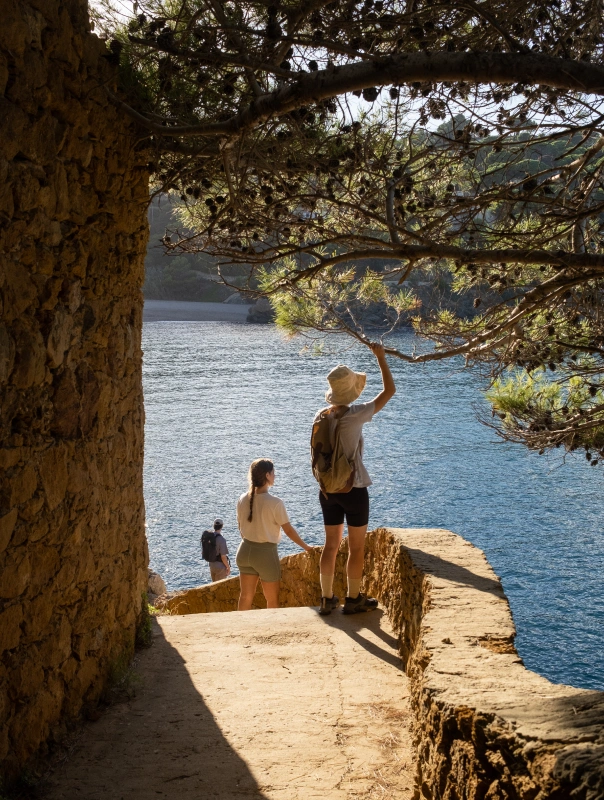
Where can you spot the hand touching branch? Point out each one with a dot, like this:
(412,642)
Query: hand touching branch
(389,390)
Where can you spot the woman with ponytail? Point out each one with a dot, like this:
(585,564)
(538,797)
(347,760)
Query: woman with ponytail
(261,517)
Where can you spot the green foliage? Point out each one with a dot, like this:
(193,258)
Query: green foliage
(185,276)
(123,680)
(523,392)
(144,628)
(544,412)
(344,299)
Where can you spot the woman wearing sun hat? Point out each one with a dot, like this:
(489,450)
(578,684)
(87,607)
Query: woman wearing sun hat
(345,387)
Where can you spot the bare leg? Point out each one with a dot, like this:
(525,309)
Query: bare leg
(333,537)
(356,551)
(271,592)
(248,585)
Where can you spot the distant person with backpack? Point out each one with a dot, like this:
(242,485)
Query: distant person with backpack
(261,517)
(337,463)
(215,551)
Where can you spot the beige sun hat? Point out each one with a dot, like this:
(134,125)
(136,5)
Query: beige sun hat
(346,385)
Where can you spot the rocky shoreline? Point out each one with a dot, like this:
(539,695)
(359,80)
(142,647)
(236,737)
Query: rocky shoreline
(155,586)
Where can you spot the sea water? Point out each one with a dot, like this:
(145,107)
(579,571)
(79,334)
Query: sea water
(218,395)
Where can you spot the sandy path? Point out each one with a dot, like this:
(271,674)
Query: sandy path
(184,311)
(282,704)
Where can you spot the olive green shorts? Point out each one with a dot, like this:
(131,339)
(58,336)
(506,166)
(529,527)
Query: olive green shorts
(259,558)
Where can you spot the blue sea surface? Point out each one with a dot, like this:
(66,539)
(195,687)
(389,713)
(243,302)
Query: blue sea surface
(218,395)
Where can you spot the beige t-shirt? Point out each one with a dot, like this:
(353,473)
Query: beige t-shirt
(268,516)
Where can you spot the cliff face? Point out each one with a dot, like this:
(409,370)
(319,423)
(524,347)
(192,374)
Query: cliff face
(73,194)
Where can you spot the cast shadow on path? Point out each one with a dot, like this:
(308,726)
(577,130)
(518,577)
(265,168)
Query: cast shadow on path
(163,743)
(450,571)
(356,626)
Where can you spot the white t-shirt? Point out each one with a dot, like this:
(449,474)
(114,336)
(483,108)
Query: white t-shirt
(351,436)
(268,516)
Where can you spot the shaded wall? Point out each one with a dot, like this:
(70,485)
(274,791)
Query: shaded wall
(73,193)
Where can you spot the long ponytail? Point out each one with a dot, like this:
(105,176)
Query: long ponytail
(259,469)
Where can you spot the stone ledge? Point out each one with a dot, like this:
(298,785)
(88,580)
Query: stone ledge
(485,727)
(299,587)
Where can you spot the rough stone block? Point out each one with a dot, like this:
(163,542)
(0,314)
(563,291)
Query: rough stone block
(15,123)
(7,353)
(56,648)
(59,337)
(16,573)
(66,402)
(45,564)
(10,627)
(28,678)
(9,456)
(30,358)
(7,526)
(54,474)
(23,485)
(37,615)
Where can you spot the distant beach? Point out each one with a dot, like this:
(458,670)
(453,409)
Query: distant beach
(185,311)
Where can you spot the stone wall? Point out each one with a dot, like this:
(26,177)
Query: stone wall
(299,587)
(73,194)
(485,727)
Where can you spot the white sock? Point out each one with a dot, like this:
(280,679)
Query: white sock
(354,587)
(326,586)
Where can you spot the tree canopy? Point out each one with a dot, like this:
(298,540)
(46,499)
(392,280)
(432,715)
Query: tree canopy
(306,138)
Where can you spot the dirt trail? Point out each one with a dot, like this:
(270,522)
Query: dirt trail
(283,705)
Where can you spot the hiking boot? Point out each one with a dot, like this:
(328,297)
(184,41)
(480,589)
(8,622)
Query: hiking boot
(328,604)
(355,605)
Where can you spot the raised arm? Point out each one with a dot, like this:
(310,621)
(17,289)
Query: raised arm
(389,389)
(289,530)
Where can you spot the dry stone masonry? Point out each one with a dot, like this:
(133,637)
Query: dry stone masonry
(485,727)
(299,587)
(73,194)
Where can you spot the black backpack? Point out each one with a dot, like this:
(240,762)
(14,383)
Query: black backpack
(209,551)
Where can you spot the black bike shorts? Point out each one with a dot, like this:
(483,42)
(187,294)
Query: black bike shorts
(354,505)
